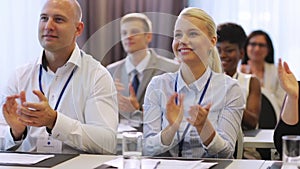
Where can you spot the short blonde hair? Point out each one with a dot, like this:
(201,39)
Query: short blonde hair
(214,62)
(138,16)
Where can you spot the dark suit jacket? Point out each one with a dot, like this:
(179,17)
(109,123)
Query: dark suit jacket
(157,65)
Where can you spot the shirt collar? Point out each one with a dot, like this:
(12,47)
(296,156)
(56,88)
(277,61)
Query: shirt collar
(75,57)
(199,83)
(140,67)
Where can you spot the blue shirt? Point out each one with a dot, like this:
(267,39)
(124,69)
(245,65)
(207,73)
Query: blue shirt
(227,106)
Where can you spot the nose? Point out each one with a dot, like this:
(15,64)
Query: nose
(222,54)
(184,39)
(49,24)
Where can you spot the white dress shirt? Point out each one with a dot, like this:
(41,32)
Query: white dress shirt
(227,106)
(130,68)
(87,115)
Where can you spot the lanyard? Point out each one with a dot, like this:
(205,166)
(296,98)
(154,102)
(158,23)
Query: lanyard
(236,76)
(188,125)
(64,88)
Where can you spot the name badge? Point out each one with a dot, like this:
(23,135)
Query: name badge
(49,145)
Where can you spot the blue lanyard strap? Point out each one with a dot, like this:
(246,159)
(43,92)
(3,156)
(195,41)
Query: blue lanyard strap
(180,144)
(64,88)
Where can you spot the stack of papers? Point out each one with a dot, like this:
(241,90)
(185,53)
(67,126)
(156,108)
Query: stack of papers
(165,164)
(19,158)
(125,127)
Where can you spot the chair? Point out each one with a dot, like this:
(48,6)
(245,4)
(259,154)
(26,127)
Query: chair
(240,144)
(268,118)
(269,114)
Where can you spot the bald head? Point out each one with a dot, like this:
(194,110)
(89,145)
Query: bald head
(72,5)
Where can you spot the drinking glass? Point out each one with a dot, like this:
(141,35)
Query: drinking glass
(291,150)
(132,150)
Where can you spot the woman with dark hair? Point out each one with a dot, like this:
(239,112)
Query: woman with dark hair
(289,123)
(259,60)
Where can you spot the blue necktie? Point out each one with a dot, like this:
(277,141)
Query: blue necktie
(135,82)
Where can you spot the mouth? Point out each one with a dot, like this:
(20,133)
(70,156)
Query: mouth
(49,36)
(185,51)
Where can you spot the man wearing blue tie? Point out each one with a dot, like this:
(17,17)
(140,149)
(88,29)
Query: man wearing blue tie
(132,74)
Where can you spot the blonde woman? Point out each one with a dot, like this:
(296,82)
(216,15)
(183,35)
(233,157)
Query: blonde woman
(194,112)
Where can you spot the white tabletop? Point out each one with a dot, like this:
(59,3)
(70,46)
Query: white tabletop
(88,161)
(264,139)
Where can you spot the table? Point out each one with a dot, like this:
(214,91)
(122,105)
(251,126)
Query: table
(90,161)
(263,139)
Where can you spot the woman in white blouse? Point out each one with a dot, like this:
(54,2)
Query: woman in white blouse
(196,111)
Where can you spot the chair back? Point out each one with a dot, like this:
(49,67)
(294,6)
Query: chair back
(269,114)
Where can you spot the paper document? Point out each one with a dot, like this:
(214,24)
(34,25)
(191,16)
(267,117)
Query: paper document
(124,127)
(18,158)
(165,164)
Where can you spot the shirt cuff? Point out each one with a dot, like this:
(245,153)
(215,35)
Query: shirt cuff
(215,145)
(62,127)
(160,141)
(23,135)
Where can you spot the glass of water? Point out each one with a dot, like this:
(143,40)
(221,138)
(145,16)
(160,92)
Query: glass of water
(132,150)
(291,150)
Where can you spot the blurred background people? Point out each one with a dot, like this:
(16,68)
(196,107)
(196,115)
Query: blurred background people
(132,74)
(259,60)
(231,41)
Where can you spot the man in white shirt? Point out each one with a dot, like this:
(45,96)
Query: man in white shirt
(133,73)
(65,102)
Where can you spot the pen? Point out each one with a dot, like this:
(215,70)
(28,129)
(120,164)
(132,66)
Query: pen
(156,165)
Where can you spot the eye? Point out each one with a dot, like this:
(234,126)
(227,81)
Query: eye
(177,35)
(43,18)
(135,31)
(59,20)
(229,50)
(193,34)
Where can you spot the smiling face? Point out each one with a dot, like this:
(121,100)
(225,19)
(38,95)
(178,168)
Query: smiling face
(134,37)
(191,44)
(59,26)
(230,54)
(257,48)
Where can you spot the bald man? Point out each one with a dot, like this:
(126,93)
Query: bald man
(65,101)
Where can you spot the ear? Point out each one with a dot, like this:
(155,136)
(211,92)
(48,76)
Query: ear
(214,40)
(149,37)
(242,53)
(79,28)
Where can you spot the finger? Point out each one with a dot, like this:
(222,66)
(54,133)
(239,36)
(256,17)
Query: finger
(23,97)
(40,95)
(23,111)
(207,107)
(172,99)
(119,86)
(26,122)
(279,66)
(131,91)
(13,97)
(180,98)
(193,112)
(190,120)
(11,102)
(4,109)
(287,68)
(121,98)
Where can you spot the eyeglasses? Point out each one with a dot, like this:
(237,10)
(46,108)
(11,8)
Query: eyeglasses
(261,45)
